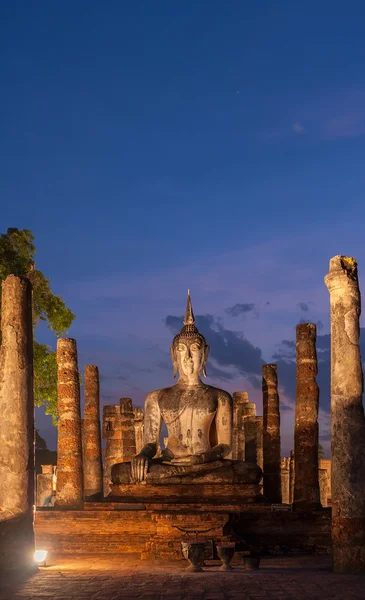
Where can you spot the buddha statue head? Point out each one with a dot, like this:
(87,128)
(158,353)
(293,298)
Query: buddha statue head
(189,350)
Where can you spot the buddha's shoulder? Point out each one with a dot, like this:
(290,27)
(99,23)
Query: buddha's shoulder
(221,394)
(157,394)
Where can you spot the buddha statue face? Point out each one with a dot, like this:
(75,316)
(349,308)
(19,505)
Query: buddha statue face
(189,355)
(189,351)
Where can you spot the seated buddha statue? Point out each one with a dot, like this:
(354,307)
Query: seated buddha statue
(198,418)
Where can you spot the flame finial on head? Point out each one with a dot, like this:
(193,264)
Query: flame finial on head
(189,318)
(189,329)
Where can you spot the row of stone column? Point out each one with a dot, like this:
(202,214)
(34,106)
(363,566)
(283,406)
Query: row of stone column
(305,483)
(80,469)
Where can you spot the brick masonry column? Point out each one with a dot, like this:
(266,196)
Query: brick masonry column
(347,418)
(44,485)
(93,469)
(323,487)
(138,428)
(128,436)
(285,480)
(70,488)
(291,476)
(113,448)
(271,434)
(16,398)
(16,424)
(306,484)
(240,399)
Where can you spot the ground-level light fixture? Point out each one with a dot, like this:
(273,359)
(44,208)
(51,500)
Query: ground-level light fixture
(40,557)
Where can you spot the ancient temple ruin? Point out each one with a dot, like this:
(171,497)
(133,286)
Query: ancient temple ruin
(219,472)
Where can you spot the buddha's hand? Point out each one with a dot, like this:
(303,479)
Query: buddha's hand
(139,468)
(197,459)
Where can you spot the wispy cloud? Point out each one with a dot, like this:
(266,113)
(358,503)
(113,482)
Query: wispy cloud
(346,125)
(298,128)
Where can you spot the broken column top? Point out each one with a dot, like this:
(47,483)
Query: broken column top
(138,414)
(269,372)
(342,271)
(240,397)
(66,350)
(305,330)
(91,370)
(249,409)
(111,410)
(126,405)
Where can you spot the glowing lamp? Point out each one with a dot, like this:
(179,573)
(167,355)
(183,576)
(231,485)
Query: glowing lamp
(40,557)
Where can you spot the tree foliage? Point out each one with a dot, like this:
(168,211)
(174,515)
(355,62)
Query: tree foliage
(17,253)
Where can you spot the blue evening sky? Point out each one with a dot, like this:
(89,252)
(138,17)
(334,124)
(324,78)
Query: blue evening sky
(156,146)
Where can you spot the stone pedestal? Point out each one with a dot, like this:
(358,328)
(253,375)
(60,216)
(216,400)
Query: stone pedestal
(93,469)
(16,397)
(70,489)
(285,480)
(128,436)
(113,449)
(138,428)
(306,485)
(240,399)
(347,418)
(271,434)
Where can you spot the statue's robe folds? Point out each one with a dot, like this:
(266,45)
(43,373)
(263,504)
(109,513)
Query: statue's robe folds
(217,472)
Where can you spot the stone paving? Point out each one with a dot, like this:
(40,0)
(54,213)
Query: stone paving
(114,578)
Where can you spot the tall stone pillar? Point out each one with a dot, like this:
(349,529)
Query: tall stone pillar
(291,477)
(323,487)
(253,439)
(271,434)
(113,449)
(240,399)
(347,418)
(259,422)
(306,484)
(128,436)
(138,428)
(17,420)
(70,487)
(93,468)
(285,480)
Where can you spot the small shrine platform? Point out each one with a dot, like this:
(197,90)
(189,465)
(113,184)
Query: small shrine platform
(147,520)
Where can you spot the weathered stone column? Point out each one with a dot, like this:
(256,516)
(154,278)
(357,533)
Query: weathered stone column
(138,428)
(93,468)
(323,487)
(70,488)
(271,434)
(347,418)
(285,480)
(253,439)
(45,485)
(240,399)
(16,397)
(325,463)
(128,436)
(306,484)
(291,477)
(113,449)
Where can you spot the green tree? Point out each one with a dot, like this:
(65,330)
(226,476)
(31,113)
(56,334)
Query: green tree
(17,252)
(320,451)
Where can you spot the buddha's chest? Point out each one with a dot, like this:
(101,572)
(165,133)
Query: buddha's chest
(188,416)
